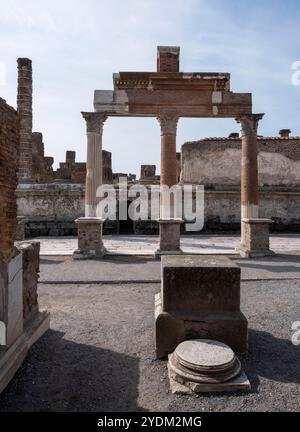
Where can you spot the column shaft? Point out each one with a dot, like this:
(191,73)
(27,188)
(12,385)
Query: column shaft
(94,162)
(92,173)
(249,172)
(169,226)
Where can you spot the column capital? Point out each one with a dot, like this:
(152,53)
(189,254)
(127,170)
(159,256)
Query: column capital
(249,122)
(94,122)
(168,123)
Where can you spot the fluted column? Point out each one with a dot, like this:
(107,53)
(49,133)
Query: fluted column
(254,230)
(94,126)
(169,224)
(90,243)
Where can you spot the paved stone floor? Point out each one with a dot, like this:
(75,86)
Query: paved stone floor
(146,245)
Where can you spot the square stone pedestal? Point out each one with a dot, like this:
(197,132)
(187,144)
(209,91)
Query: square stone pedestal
(200,298)
(90,244)
(169,237)
(255,241)
(20,232)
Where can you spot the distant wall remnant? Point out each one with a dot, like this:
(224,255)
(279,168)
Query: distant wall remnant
(217,161)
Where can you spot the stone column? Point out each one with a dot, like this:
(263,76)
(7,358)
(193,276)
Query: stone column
(94,126)
(90,244)
(251,237)
(169,224)
(24,104)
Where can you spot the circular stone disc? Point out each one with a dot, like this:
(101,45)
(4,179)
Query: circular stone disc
(204,354)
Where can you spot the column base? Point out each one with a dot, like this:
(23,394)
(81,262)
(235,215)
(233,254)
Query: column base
(90,244)
(169,237)
(256,240)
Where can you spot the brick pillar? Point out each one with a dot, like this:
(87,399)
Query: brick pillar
(24,103)
(169,224)
(252,227)
(90,244)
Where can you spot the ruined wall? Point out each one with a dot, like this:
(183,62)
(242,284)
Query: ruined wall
(9,155)
(42,171)
(50,208)
(216,161)
(107,174)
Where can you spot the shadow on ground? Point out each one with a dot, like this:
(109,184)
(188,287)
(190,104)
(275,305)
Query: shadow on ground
(61,375)
(272,358)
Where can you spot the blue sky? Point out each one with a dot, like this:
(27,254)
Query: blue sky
(76,45)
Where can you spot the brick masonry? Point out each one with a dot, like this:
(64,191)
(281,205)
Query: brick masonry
(24,102)
(9,154)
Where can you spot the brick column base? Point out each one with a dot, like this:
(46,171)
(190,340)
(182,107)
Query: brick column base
(169,237)
(256,239)
(90,244)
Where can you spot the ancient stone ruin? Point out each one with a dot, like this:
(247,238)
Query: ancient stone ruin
(21,323)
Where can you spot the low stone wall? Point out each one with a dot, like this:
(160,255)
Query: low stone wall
(51,210)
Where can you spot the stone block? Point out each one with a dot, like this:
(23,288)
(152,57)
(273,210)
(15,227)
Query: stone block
(255,240)
(197,284)
(31,267)
(11,360)
(14,300)
(169,236)
(200,298)
(20,231)
(90,244)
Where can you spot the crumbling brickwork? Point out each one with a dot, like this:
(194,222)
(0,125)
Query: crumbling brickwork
(168,59)
(9,156)
(24,101)
(42,171)
(107,174)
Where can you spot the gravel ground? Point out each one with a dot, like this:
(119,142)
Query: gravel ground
(146,269)
(99,353)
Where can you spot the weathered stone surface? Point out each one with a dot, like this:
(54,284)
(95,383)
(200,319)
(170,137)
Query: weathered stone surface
(24,102)
(169,236)
(216,162)
(9,154)
(239,383)
(31,267)
(200,298)
(14,323)
(20,231)
(256,238)
(12,359)
(203,365)
(195,284)
(90,244)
